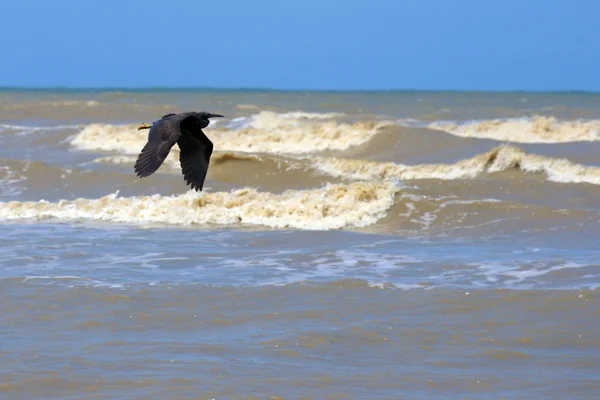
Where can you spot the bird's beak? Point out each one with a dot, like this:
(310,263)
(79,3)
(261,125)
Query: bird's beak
(144,126)
(209,115)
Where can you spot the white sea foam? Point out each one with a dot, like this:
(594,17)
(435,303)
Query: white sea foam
(538,129)
(330,207)
(266,132)
(499,159)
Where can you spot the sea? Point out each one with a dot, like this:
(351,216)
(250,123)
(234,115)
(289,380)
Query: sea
(346,245)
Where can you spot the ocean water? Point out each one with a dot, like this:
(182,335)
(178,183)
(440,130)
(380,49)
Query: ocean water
(369,245)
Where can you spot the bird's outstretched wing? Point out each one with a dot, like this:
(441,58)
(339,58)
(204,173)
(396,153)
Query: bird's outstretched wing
(162,136)
(196,150)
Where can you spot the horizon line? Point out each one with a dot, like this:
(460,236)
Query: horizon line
(269,89)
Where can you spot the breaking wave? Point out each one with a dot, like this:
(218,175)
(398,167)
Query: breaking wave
(266,132)
(499,159)
(539,129)
(331,207)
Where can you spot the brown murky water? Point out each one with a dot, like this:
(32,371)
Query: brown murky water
(346,246)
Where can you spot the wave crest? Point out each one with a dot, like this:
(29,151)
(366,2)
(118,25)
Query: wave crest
(499,159)
(331,207)
(266,132)
(539,129)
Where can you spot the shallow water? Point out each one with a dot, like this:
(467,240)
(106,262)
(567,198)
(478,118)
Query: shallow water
(346,245)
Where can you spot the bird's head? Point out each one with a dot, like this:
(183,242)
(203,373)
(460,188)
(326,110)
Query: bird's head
(206,115)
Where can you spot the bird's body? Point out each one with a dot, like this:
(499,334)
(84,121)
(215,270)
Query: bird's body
(185,129)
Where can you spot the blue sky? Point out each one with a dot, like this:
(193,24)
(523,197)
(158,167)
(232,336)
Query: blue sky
(308,44)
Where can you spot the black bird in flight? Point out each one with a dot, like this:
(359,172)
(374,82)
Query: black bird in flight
(185,129)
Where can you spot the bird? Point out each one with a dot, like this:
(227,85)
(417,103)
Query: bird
(185,129)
